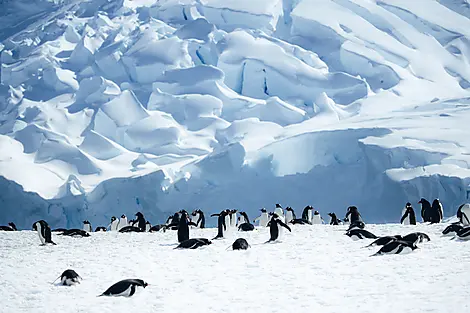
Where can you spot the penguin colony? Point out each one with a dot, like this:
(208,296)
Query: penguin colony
(277,221)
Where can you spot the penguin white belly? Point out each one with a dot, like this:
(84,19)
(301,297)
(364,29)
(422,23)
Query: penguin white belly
(355,237)
(122,223)
(39,230)
(147,227)
(405,250)
(465,214)
(289,217)
(310,216)
(227,222)
(68,281)
(114,225)
(263,221)
(241,220)
(279,212)
(87,228)
(233,221)
(316,219)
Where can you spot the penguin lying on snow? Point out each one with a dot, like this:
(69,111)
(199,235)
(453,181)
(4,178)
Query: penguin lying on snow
(240,244)
(299,221)
(452,229)
(464,233)
(381,241)
(75,232)
(69,278)
(124,288)
(356,225)
(11,227)
(130,229)
(416,237)
(357,234)
(100,228)
(246,225)
(194,243)
(397,247)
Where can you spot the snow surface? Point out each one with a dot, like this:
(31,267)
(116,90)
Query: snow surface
(313,269)
(109,107)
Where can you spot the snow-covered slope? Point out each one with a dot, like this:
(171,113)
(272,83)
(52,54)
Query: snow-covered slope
(313,269)
(108,107)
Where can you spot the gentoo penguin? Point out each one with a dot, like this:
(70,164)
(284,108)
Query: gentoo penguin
(124,288)
(240,244)
(173,220)
(263,218)
(463,214)
(357,234)
(408,217)
(122,222)
(198,218)
(100,228)
(464,233)
(452,229)
(416,237)
(44,232)
(425,210)
(290,214)
(353,215)
(384,240)
(242,218)
(183,226)
(437,212)
(397,247)
(279,211)
(113,226)
(157,228)
(246,226)
(221,226)
(193,243)
(11,227)
(316,218)
(307,213)
(140,221)
(275,225)
(130,229)
(356,225)
(69,278)
(148,226)
(333,219)
(299,221)
(87,226)
(75,232)
(233,218)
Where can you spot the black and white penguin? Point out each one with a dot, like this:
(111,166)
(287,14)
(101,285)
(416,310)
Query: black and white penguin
(122,222)
(353,215)
(44,232)
(199,218)
(173,220)
(87,226)
(100,228)
(246,226)
(113,225)
(381,241)
(130,229)
(437,212)
(452,229)
(233,218)
(397,247)
(240,244)
(463,214)
(75,232)
(69,278)
(307,213)
(290,214)
(279,211)
(356,225)
(11,227)
(140,221)
(408,216)
(316,218)
(221,226)
(299,221)
(425,210)
(124,288)
(242,218)
(263,218)
(464,233)
(194,243)
(357,234)
(275,227)
(416,237)
(183,226)
(333,219)
(158,228)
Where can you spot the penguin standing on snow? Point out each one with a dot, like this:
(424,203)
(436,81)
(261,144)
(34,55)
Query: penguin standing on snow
(44,232)
(333,219)
(194,243)
(122,222)
(425,210)
(409,217)
(233,218)
(290,215)
(452,229)
(437,212)
(263,218)
(124,288)
(316,218)
(198,218)
(279,211)
(353,215)
(11,227)
(87,226)
(307,213)
(183,226)
(140,221)
(463,214)
(221,226)
(113,225)
(228,222)
(275,225)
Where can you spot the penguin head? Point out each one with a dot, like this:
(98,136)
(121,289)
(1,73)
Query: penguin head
(139,215)
(352,209)
(408,204)
(123,216)
(274,215)
(113,218)
(12,225)
(263,210)
(332,214)
(233,211)
(86,222)
(278,206)
(316,212)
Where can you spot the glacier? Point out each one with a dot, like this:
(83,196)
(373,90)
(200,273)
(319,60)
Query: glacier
(112,107)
